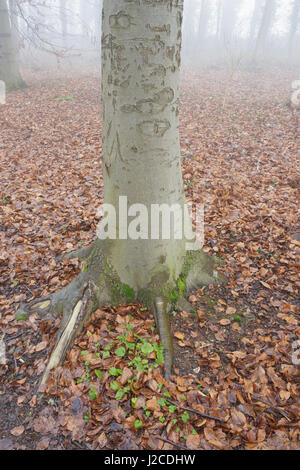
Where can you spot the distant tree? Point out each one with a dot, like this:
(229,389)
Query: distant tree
(9,67)
(256,15)
(189,28)
(97,20)
(219,19)
(63,20)
(294,24)
(229,14)
(265,27)
(203,21)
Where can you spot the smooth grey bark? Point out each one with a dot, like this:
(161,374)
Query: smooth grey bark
(141,51)
(9,70)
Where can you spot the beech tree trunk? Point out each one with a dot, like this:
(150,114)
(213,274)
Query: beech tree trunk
(63,20)
(264,28)
(9,70)
(141,52)
(203,23)
(294,24)
(255,20)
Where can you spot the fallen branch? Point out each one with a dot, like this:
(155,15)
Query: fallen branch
(192,410)
(180,446)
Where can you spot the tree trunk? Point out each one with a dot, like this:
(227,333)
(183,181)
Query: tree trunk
(9,70)
(294,23)
(255,20)
(219,19)
(141,49)
(97,24)
(228,21)
(63,21)
(265,27)
(141,57)
(203,23)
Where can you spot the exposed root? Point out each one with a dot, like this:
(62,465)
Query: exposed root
(184,305)
(99,285)
(59,303)
(80,313)
(201,271)
(161,314)
(82,253)
(75,303)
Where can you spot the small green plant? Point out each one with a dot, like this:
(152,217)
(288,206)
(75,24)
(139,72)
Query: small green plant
(162,401)
(172,409)
(115,372)
(65,98)
(180,291)
(22,317)
(122,392)
(238,319)
(128,293)
(185,417)
(189,183)
(133,402)
(99,374)
(138,424)
(93,394)
(121,352)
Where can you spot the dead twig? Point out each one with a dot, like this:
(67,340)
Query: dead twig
(180,446)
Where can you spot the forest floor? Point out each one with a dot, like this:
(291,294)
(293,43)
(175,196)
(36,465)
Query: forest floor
(237,356)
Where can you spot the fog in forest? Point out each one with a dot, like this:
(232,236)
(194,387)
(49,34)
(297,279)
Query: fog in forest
(216,33)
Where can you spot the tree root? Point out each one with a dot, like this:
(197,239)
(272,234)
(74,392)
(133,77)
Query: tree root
(80,313)
(82,253)
(161,315)
(99,285)
(59,303)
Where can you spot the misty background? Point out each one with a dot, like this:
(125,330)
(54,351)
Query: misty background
(216,33)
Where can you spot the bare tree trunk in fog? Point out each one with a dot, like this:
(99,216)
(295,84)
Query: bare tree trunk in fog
(228,20)
(9,69)
(188,28)
(97,22)
(13,19)
(255,20)
(219,19)
(265,26)
(203,22)
(294,23)
(63,20)
(85,16)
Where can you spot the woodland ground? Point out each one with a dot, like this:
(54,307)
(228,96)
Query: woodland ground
(234,353)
